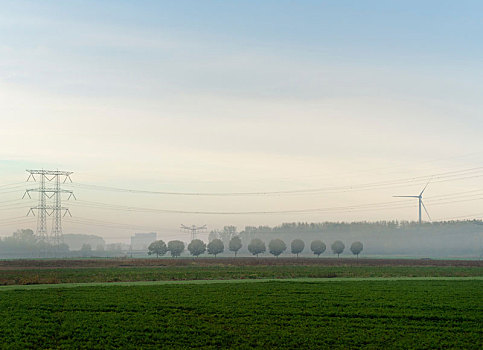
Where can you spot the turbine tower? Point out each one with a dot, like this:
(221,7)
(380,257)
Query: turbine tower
(421,204)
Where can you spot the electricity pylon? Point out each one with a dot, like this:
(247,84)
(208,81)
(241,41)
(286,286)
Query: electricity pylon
(55,209)
(193,229)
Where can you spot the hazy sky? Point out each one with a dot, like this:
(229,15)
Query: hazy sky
(242,96)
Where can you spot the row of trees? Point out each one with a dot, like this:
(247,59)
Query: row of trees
(196,247)
(276,247)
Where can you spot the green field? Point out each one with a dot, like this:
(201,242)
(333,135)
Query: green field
(338,314)
(177,273)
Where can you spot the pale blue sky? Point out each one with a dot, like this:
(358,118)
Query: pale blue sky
(242,96)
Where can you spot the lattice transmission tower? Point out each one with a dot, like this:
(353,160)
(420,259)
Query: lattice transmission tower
(193,230)
(50,202)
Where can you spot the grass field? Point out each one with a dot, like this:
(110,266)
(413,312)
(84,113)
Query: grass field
(176,273)
(339,314)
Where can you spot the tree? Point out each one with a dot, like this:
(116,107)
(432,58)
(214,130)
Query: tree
(196,247)
(175,248)
(44,247)
(99,248)
(256,246)
(356,248)
(227,233)
(214,234)
(318,247)
(276,247)
(114,247)
(215,247)
(297,246)
(21,242)
(86,249)
(25,236)
(235,244)
(62,248)
(338,247)
(158,248)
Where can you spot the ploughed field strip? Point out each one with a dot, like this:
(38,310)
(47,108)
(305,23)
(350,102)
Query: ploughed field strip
(239,261)
(197,272)
(382,314)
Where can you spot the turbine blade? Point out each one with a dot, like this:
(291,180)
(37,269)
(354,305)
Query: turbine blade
(424,188)
(426,210)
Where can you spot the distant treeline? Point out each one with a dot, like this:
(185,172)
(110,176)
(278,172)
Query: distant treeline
(438,239)
(362,226)
(24,244)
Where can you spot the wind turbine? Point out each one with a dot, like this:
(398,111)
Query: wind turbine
(421,204)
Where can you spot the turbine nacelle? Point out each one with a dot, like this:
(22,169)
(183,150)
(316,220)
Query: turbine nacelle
(421,204)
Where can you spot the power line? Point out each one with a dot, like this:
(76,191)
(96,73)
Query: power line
(462,216)
(17,220)
(14,184)
(472,195)
(445,199)
(392,167)
(95,222)
(439,177)
(15,207)
(11,189)
(13,202)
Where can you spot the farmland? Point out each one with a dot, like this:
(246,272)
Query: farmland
(285,314)
(25,272)
(182,273)
(241,303)
(240,261)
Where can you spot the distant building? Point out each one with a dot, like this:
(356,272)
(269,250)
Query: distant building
(141,241)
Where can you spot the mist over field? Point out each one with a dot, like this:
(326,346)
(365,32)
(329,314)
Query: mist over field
(461,239)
